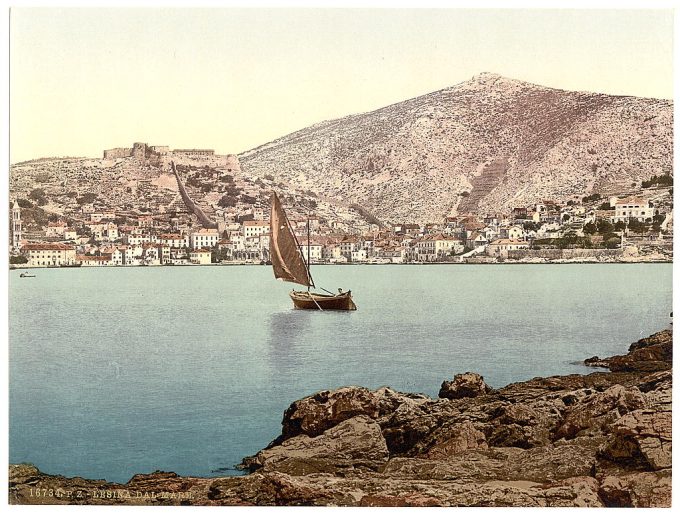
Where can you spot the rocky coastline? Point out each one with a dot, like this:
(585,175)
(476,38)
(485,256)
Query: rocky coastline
(602,439)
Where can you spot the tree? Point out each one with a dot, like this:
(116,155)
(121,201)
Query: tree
(87,198)
(592,198)
(636,226)
(590,228)
(227,201)
(604,226)
(612,242)
(38,194)
(23,203)
(17,260)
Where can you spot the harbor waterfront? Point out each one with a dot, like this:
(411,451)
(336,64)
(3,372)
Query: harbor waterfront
(116,371)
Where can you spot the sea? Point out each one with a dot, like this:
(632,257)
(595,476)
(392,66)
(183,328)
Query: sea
(118,371)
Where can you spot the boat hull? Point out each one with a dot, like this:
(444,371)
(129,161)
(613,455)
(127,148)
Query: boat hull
(315,301)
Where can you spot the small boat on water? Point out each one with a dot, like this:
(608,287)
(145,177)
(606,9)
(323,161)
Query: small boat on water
(289,264)
(24,274)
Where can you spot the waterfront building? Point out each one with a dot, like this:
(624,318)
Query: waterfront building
(87,260)
(315,251)
(333,253)
(49,254)
(500,248)
(359,256)
(349,244)
(118,257)
(200,257)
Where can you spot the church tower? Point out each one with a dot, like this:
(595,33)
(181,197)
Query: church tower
(16,226)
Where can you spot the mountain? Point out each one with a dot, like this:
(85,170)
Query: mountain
(485,145)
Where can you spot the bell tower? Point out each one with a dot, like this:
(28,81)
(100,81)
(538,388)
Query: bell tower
(16,226)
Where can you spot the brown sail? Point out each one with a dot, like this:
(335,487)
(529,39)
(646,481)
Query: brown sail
(286,257)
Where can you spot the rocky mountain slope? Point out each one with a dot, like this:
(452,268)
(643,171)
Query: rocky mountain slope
(505,142)
(602,439)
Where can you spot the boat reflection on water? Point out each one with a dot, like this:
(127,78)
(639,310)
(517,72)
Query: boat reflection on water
(285,330)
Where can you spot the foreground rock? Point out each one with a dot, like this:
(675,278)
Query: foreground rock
(603,439)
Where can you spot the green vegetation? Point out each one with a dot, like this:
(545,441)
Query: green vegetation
(17,260)
(38,194)
(532,226)
(592,198)
(227,201)
(86,198)
(605,207)
(368,216)
(658,180)
(218,255)
(24,204)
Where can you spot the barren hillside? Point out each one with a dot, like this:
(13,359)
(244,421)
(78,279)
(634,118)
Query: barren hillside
(504,142)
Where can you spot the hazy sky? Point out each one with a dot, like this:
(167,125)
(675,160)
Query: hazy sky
(82,80)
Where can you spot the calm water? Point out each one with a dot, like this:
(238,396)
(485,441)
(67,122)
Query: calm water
(188,369)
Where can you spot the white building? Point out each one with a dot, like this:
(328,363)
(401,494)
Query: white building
(49,254)
(633,208)
(204,238)
(315,251)
(200,257)
(500,248)
(87,260)
(173,240)
(359,256)
(255,228)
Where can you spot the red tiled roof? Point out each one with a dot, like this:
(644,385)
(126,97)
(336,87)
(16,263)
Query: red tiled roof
(81,257)
(47,246)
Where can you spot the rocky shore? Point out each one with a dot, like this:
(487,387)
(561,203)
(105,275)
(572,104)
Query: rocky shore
(602,439)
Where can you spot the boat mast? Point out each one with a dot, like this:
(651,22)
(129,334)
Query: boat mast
(309,263)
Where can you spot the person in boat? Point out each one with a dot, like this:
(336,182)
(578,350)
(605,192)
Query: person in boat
(339,291)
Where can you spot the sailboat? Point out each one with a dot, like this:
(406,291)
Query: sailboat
(289,265)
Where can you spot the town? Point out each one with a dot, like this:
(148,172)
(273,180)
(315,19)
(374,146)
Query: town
(66,213)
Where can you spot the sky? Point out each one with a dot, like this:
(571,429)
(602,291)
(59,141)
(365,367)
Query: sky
(86,79)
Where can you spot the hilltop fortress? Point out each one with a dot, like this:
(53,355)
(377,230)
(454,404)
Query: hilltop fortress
(145,151)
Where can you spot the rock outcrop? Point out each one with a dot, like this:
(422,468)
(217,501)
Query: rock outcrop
(602,439)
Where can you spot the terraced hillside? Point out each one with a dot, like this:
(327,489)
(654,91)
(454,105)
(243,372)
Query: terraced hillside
(411,161)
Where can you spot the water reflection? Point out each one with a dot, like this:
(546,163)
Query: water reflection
(285,330)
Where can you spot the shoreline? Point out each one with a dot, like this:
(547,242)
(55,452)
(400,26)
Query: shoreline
(601,439)
(556,262)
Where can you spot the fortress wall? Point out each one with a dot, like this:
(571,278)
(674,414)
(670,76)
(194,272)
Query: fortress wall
(564,253)
(116,153)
